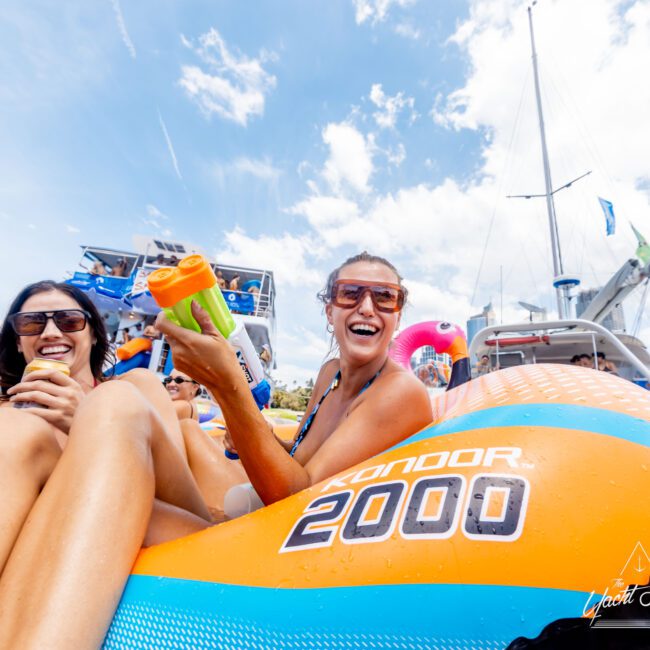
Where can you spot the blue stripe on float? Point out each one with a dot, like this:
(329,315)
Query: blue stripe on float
(190,613)
(563,416)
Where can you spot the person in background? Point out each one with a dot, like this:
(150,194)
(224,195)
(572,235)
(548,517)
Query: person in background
(98,268)
(605,365)
(183,390)
(483,365)
(265,356)
(234,283)
(119,270)
(150,332)
(221,281)
(586,361)
(125,336)
(173,260)
(575,360)
(160,260)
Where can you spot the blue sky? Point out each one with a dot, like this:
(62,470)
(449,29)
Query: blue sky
(290,134)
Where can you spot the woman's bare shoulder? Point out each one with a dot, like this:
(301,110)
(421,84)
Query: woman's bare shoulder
(183,409)
(397,388)
(326,374)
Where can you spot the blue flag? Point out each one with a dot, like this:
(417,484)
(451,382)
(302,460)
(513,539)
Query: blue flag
(608,209)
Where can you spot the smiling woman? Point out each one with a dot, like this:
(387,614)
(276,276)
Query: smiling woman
(356,409)
(69,461)
(183,390)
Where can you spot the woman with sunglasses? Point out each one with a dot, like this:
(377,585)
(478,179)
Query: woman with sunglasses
(90,474)
(357,405)
(183,390)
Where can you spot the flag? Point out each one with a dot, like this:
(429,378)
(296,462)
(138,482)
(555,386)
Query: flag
(643,251)
(608,209)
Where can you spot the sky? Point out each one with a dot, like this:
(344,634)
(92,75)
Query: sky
(289,135)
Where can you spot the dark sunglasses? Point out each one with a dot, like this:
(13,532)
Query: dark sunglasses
(32,323)
(177,380)
(386,297)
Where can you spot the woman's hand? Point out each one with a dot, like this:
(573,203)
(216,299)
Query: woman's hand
(206,357)
(57,394)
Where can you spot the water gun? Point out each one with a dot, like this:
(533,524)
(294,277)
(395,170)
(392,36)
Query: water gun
(174,289)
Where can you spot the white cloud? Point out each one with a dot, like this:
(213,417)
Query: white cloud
(122,27)
(72,229)
(155,213)
(408,31)
(155,219)
(287,255)
(349,165)
(390,107)
(326,211)
(375,10)
(396,156)
(260,168)
(170,146)
(234,87)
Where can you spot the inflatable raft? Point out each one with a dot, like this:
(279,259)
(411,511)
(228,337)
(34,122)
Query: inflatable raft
(524,500)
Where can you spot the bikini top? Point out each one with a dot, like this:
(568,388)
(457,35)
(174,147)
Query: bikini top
(310,420)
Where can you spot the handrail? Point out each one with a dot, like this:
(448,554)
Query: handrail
(589,326)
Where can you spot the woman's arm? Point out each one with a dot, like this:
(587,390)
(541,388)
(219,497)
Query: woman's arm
(209,359)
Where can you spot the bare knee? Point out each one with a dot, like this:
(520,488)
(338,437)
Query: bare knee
(29,443)
(190,427)
(144,379)
(119,406)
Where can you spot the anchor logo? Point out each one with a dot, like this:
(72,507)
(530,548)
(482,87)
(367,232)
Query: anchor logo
(638,560)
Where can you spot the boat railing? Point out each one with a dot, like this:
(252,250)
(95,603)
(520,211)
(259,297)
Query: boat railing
(256,293)
(548,331)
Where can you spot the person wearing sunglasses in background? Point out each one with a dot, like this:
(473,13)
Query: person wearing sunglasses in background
(183,390)
(357,408)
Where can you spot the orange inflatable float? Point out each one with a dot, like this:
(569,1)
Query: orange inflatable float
(523,501)
(133,347)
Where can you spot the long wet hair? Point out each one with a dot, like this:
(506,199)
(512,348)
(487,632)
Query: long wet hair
(12,362)
(325,294)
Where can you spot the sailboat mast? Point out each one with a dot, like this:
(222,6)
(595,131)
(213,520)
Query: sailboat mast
(560,289)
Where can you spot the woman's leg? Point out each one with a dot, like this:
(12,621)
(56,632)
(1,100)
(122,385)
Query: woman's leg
(214,473)
(65,575)
(151,387)
(28,454)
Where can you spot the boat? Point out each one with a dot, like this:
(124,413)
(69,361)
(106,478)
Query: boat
(125,303)
(487,526)
(558,340)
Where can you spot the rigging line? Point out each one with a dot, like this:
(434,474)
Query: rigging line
(583,133)
(641,310)
(522,248)
(501,181)
(589,142)
(582,252)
